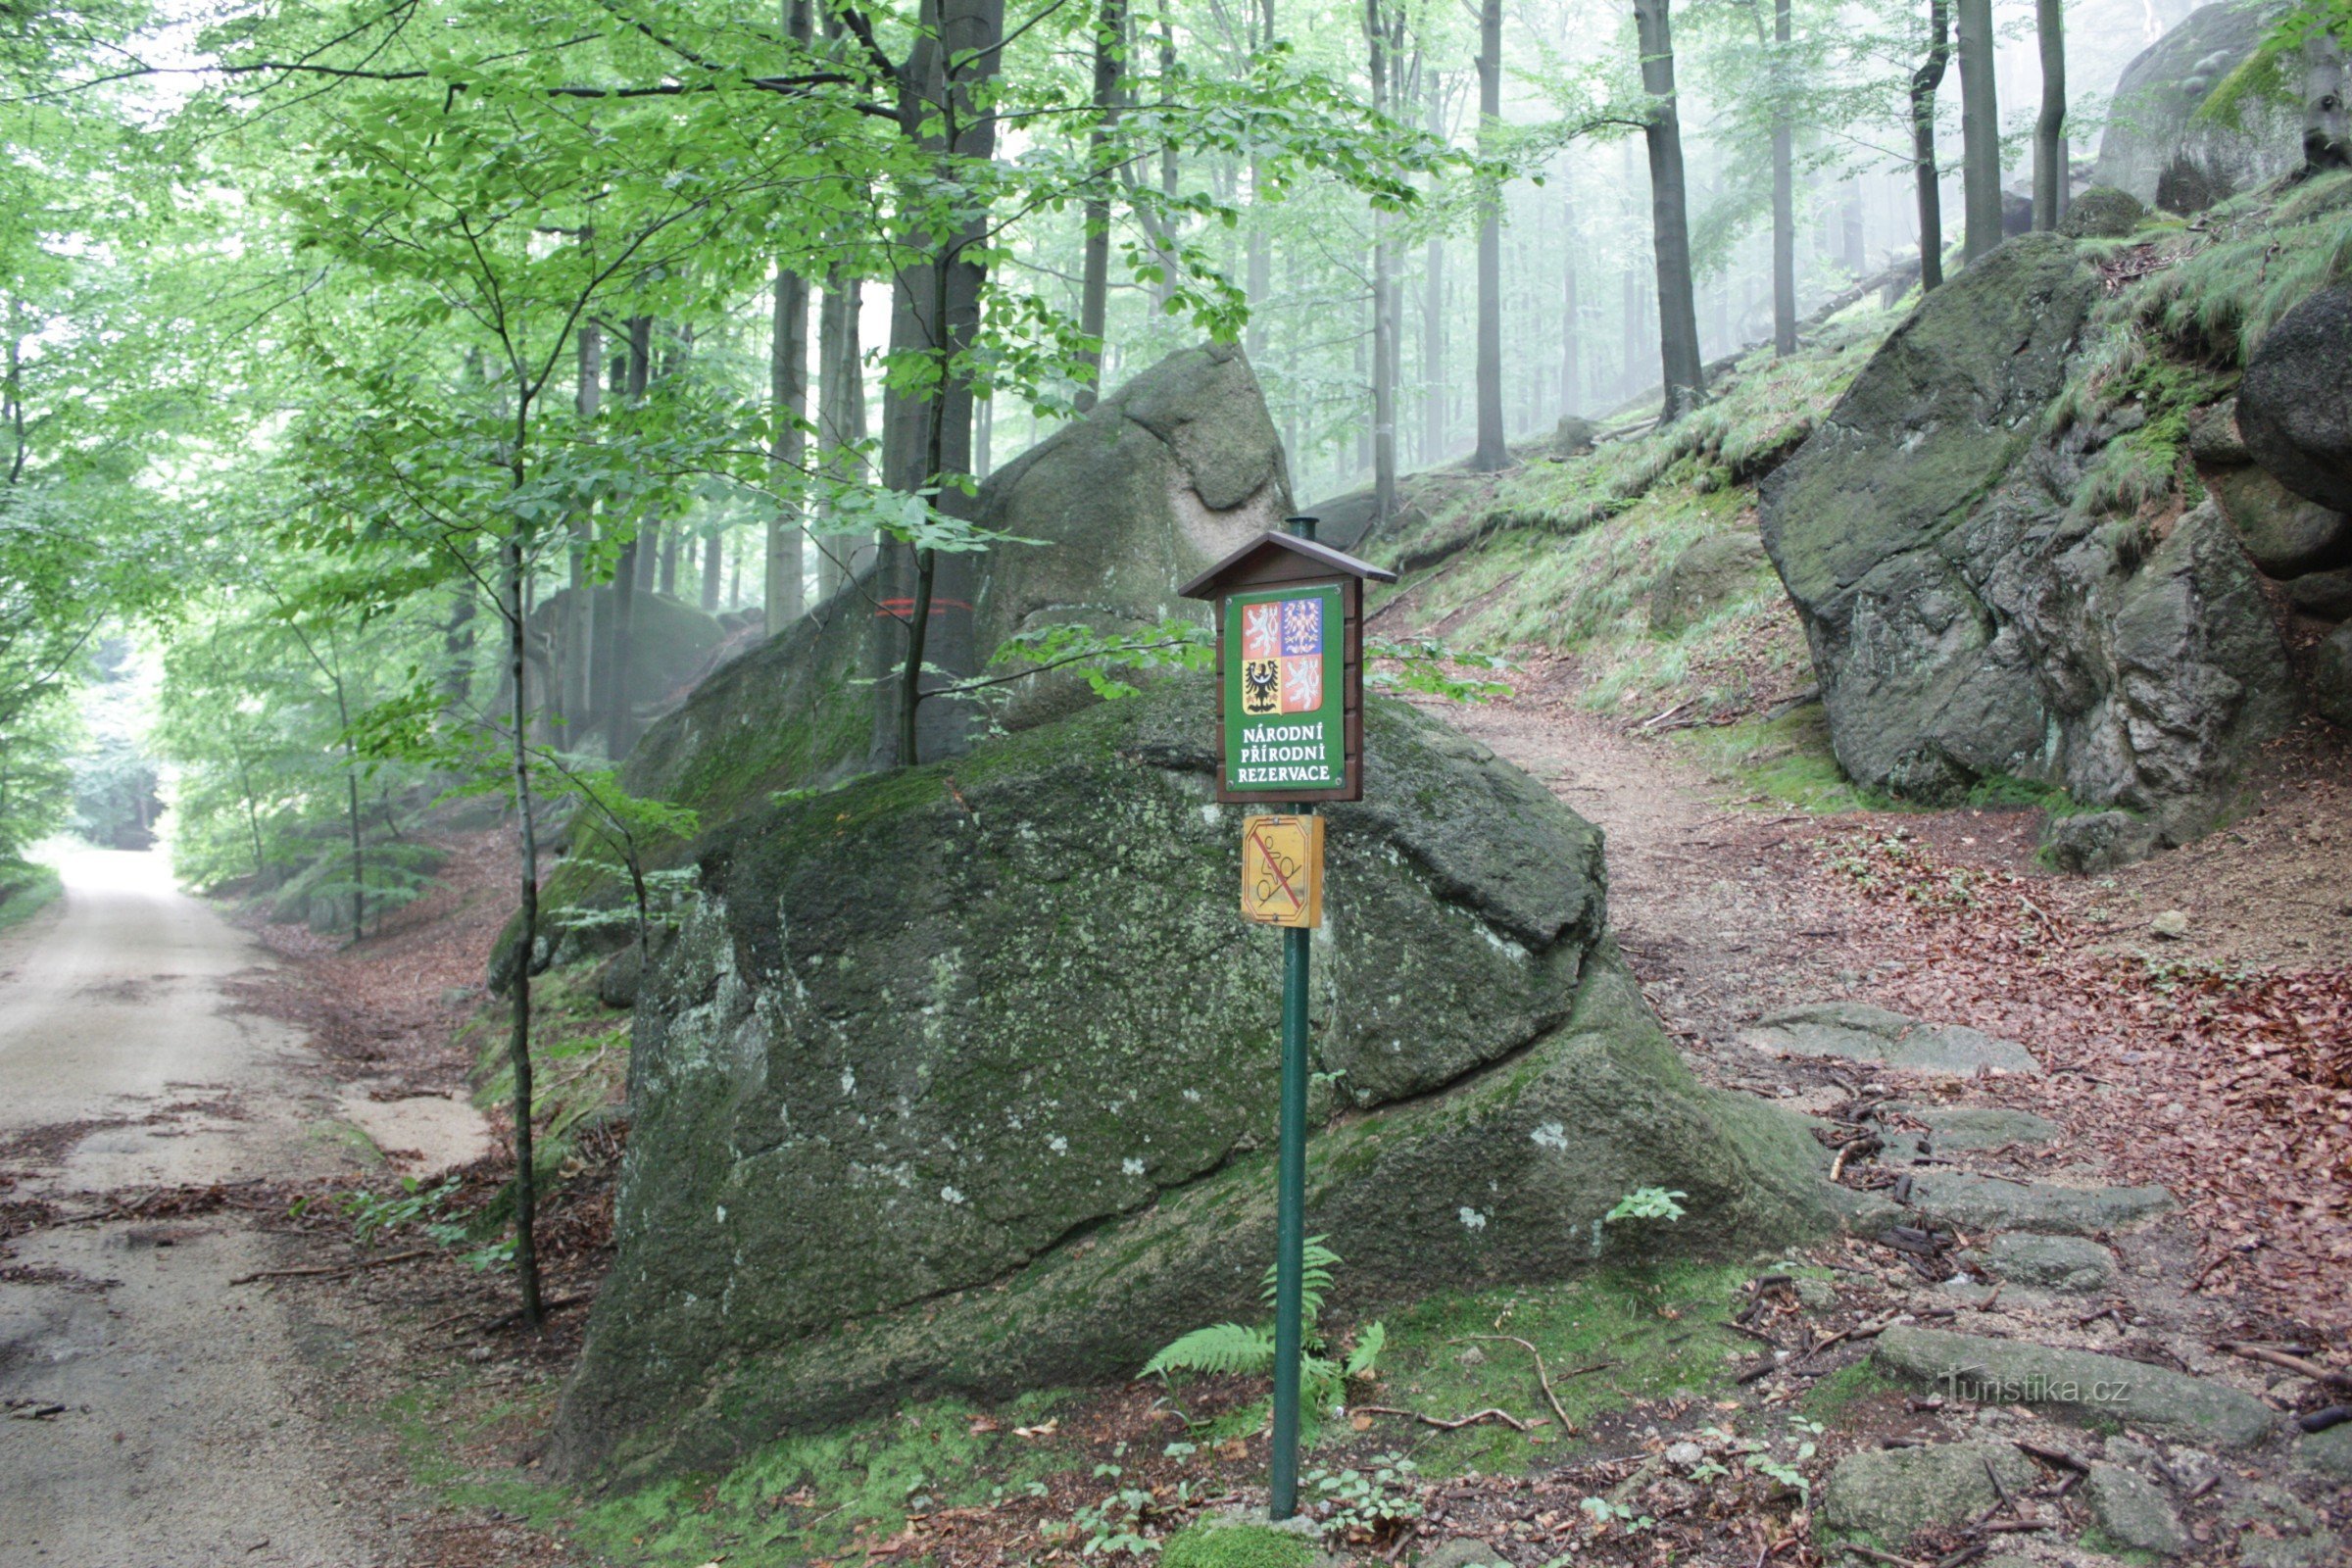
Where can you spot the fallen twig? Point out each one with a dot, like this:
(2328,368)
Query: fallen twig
(2335,1415)
(2056,1456)
(1876,1555)
(1443,1425)
(546,1309)
(2292,1363)
(336,1268)
(1542,1375)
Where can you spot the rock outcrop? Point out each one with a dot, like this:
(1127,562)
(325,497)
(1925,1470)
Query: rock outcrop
(1168,475)
(2294,407)
(2158,147)
(1967,619)
(961,1079)
(1165,476)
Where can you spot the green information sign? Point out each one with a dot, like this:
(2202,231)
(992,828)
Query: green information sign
(1286,724)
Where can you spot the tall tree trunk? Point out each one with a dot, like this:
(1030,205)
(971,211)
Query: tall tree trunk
(1163,293)
(1383,311)
(1979,131)
(1669,228)
(1783,188)
(2049,127)
(841,414)
(1924,84)
(713,559)
(1492,453)
(580,618)
(518,1035)
(1572,376)
(928,436)
(788,397)
(1094,286)
(619,721)
(1260,246)
(1433,315)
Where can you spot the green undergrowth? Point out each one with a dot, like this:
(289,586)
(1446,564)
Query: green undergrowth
(2176,339)
(1608,1341)
(1566,555)
(1786,761)
(25,889)
(580,1057)
(1237,1546)
(1837,1396)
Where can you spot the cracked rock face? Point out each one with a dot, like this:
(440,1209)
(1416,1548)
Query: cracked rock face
(1167,476)
(1967,621)
(961,1079)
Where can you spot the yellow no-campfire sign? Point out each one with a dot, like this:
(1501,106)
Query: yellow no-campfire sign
(1281,871)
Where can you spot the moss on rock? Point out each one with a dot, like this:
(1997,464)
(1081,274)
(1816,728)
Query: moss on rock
(961,1079)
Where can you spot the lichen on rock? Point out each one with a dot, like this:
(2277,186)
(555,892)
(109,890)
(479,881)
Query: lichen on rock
(1968,618)
(961,1079)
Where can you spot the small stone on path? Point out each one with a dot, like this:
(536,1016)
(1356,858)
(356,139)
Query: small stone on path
(1887,1493)
(2132,1513)
(1862,1033)
(2050,1262)
(1958,1128)
(2172,925)
(1982,1204)
(2081,1384)
(2329,1452)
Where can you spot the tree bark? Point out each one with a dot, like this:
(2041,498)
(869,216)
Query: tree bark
(840,417)
(1924,84)
(618,720)
(2049,127)
(1433,315)
(928,438)
(579,619)
(1979,131)
(518,1036)
(1783,189)
(1493,453)
(1670,228)
(1572,391)
(1259,249)
(788,396)
(1094,288)
(1384,309)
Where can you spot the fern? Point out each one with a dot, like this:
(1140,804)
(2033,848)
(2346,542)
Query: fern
(1234,1347)
(1315,1280)
(1368,1344)
(1223,1348)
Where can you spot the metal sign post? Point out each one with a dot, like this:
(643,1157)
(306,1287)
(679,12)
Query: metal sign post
(1290,727)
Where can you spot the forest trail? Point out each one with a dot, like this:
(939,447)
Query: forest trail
(1717,931)
(157,1411)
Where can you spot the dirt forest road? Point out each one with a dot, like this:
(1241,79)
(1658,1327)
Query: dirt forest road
(153,1413)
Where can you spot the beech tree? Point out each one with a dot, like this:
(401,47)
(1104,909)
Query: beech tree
(1979,131)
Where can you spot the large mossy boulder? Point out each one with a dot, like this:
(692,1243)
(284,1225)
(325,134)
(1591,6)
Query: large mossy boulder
(961,1080)
(1165,476)
(2294,407)
(2159,147)
(1968,619)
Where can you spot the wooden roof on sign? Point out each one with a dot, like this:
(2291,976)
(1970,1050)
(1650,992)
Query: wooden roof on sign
(1280,557)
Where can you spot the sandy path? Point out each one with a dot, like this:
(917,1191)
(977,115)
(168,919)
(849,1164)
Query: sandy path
(1716,925)
(185,1436)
